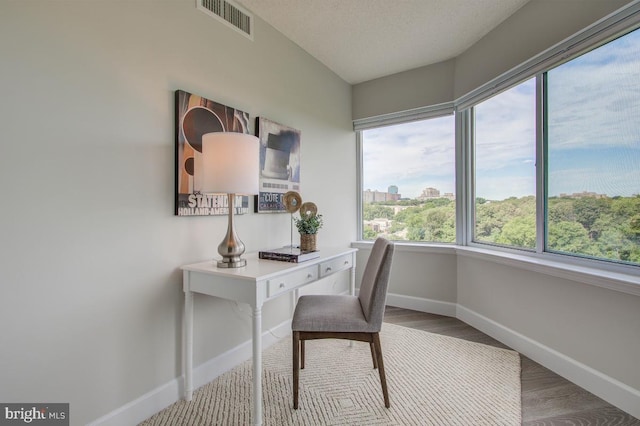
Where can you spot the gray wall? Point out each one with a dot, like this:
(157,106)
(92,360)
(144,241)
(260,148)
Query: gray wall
(405,90)
(537,26)
(591,325)
(90,296)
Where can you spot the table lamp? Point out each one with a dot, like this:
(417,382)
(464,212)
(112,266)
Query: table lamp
(230,165)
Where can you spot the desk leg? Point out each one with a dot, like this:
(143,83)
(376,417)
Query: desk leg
(187,339)
(295,295)
(352,283)
(257,365)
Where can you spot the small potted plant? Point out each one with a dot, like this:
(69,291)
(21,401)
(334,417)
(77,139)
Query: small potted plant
(308,225)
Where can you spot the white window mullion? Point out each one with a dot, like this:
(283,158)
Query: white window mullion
(464,195)
(540,167)
(359,185)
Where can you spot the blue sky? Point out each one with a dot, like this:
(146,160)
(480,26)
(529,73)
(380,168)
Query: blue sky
(412,156)
(594,126)
(594,135)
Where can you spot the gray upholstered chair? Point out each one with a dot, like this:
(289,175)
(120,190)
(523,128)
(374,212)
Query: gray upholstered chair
(346,317)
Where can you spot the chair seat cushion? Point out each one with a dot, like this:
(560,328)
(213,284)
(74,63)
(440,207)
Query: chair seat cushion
(333,313)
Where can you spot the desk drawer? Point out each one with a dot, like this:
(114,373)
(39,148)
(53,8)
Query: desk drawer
(290,281)
(334,265)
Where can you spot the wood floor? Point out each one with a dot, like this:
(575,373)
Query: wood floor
(547,399)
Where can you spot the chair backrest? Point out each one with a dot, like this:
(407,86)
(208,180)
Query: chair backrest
(375,280)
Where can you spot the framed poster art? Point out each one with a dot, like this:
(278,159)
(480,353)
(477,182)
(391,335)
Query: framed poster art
(196,116)
(279,164)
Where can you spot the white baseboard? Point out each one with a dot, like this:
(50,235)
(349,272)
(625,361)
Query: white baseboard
(158,399)
(611,390)
(422,305)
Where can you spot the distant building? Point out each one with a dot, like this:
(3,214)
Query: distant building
(583,194)
(370,196)
(379,225)
(449,196)
(398,209)
(432,193)
(428,193)
(392,194)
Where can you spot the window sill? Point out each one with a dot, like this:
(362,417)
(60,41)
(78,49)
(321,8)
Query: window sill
(617,281)
(402,246)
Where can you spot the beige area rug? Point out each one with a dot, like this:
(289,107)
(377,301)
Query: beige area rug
(432,380)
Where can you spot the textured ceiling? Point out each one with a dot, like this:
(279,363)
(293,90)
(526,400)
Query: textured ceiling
(365,39)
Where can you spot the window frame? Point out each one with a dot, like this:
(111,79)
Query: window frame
(624,21)
(540,250)
(418,114)
(471,166)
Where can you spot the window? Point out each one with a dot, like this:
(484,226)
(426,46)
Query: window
(505,172)
(590,122)
(408,181)
(548,158)
(593,153)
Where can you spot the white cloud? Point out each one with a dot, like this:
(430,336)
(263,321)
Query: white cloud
(505,128)
(499,188)
(594,100)
(623,182)
(412,156)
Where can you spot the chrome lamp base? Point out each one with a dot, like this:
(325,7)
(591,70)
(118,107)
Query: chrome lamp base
(230,264)
(231,248)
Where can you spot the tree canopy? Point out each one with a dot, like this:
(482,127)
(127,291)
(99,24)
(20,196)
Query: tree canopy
(601,227)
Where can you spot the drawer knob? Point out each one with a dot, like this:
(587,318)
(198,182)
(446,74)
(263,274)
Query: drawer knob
(281,285)
(309,276)
(346,262)
(328,269)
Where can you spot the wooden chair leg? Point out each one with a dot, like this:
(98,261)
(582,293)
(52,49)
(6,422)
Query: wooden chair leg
(383,379)
(296,367)
(302,354)
(373,355)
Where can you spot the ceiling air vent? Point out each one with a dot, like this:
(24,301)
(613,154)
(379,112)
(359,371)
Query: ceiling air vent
(229,13)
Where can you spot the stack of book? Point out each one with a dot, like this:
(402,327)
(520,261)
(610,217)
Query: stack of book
(288,254)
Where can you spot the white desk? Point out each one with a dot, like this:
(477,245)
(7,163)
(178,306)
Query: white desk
(256,283)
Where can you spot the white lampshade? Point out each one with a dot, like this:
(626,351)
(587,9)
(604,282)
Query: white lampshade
(231,163)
